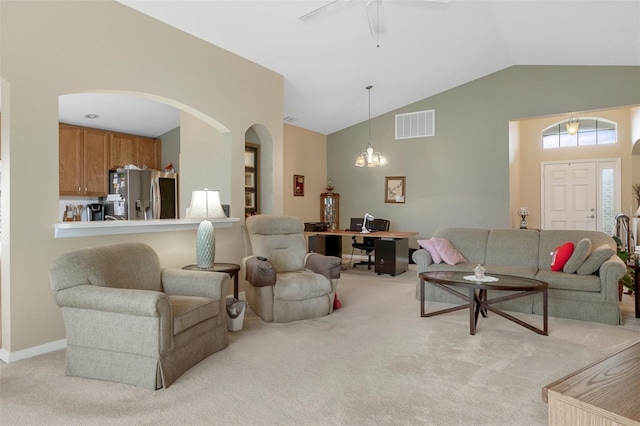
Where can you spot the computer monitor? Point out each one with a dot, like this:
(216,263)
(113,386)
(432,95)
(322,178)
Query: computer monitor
(356,224)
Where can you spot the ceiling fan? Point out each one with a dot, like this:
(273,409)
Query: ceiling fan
(375,15)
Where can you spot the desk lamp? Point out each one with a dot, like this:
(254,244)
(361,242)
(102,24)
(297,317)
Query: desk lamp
(205,204)
(367,217)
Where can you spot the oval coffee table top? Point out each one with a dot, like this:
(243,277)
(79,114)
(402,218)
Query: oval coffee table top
(505,282)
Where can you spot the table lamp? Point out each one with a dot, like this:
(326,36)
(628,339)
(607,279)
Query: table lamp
(367,217)
(523,212)
(205,204)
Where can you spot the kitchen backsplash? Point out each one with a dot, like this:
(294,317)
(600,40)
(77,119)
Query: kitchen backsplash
(76,202)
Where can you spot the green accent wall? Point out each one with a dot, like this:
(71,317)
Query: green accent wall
(461,176)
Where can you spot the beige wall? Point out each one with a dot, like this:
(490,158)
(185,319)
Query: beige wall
(305,153)
(533,155)
(54,48)
(515,172)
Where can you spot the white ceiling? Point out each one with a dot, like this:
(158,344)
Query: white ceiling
(117,112)
(428,47)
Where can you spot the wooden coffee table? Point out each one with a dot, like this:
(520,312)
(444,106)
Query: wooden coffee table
(476,297)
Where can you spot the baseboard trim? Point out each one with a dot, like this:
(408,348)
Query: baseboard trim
(14,356)
(355,257)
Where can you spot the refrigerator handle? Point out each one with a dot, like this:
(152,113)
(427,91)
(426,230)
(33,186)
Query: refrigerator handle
(155,199)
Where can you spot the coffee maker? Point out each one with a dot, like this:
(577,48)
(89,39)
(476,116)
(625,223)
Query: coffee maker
(95,212)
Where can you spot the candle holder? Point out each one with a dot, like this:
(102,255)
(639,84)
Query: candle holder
(523,212)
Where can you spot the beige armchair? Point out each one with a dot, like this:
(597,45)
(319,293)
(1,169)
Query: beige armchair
(283,282)
(128,320)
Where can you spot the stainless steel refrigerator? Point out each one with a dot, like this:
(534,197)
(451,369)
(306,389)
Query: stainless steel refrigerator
(142,195)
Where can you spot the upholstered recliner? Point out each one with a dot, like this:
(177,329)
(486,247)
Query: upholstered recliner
(128,320)
(283,282)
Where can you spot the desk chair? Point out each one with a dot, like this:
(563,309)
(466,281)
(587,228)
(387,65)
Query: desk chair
(367,242)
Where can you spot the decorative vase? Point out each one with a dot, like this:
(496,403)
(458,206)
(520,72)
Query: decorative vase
(479,271)
(205,245)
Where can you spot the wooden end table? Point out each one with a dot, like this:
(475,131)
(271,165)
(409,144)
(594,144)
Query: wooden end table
(229,268)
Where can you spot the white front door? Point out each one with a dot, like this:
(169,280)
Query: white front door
(570,196)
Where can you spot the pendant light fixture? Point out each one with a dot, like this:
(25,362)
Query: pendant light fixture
(370,158)
(572,126)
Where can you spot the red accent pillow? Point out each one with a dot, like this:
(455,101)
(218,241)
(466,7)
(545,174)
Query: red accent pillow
(561,256)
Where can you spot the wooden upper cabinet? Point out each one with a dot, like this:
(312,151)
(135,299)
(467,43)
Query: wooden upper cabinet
(70,145)
(86,155)
(96,173)
(148,153)
(129,149)
(122,150)
(82,161)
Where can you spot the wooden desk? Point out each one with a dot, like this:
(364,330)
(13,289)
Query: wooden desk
(603,393)
(392,249)
(376,234)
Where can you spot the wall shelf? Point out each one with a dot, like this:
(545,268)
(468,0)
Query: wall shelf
(118,227)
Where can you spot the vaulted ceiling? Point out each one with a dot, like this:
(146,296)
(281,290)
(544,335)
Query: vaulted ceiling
(427,48)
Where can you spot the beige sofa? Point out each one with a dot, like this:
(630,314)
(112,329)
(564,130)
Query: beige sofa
(527,253)
(128,320)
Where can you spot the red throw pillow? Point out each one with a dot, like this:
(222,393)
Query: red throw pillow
(561,256)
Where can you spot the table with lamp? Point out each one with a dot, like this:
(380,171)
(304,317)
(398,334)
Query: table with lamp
(205,205)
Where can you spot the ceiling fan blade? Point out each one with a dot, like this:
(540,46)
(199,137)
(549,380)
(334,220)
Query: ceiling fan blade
(313,12)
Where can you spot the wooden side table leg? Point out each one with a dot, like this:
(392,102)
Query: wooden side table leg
(235,285)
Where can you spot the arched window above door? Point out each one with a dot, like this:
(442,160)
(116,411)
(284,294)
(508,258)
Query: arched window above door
(590,131)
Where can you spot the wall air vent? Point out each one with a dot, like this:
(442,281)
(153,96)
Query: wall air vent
(289,119)
(415,124)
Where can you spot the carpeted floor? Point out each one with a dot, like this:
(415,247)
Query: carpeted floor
(375,361)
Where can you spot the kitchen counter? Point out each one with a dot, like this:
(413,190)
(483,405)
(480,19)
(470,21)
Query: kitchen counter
(117,227)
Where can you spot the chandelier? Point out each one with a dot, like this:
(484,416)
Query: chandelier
(572,126)
(369,158)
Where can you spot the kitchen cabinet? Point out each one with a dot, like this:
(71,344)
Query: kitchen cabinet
(122,150)
(82,161)
(130,149)
(148,153)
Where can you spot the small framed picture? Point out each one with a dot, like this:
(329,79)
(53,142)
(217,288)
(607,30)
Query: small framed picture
(250,159)
(249,179)
(298,185)
(395,189)
(249,200)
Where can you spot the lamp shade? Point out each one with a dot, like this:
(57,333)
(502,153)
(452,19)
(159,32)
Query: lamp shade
(205,204)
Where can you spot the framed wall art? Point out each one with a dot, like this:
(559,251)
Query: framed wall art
(249,179)
(249,200)
(250,158)
(298,185)
(395,189)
